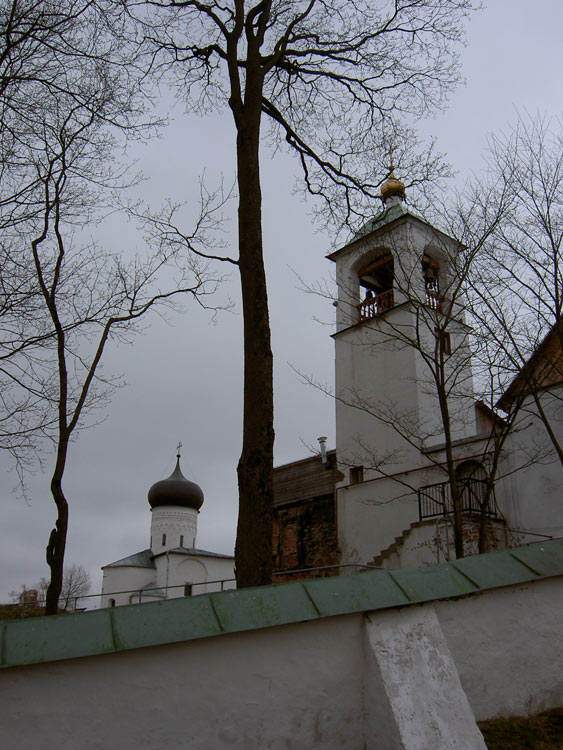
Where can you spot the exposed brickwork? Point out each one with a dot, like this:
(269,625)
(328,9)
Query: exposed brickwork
(304,536)
(304,529)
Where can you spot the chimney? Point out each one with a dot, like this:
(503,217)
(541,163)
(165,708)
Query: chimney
(322,443)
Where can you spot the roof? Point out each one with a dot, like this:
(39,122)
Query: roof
(142,559)
(305,479)
(112,630)
(387,217)
(194,553)
(176,490)
(542,370)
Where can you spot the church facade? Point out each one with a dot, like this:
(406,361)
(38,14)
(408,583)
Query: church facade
(421,466)
(407,418)
(172,566)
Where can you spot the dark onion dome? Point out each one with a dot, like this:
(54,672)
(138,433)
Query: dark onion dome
(176,490)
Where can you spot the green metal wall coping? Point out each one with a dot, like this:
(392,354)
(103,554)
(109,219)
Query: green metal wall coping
(104,631)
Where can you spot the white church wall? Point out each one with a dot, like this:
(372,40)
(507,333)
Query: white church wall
(432,542)
(197,571)
(536,484)
(375,374)
(172,526)
(370,515)
(124,579)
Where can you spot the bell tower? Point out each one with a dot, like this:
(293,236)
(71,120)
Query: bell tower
(399,325)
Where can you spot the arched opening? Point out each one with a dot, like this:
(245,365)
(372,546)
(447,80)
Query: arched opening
(472,481)
(431,275)
(376,278)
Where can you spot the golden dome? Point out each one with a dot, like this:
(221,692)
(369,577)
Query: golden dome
(392,186)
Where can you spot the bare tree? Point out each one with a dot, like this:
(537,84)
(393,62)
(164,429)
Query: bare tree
(517,285)
(84,295)
(326,76)
(76,584)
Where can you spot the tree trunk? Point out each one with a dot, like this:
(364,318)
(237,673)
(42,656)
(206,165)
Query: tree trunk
(56,549)
(253,550)
(57,540)
(450,463)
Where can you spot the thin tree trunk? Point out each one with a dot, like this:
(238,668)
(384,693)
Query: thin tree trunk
(450,463)
(57,539)
(253,550)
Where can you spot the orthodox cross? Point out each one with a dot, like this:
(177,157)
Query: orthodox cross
(391,165)
(178,447)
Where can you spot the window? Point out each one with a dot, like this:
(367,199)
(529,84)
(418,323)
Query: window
(111,602)
(431,272)
(188,589)
(181,540)
(377,280)
(356,474)
(163,539)
(444,341)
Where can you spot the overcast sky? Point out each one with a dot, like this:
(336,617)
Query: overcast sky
(185,376)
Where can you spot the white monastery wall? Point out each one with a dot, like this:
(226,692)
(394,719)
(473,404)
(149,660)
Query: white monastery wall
(508,647)
(383,679)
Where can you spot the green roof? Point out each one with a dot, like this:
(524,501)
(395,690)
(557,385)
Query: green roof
(45,639)
(142,559)
(385,217)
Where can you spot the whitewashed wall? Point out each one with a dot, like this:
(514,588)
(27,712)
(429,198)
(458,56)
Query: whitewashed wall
(360,681)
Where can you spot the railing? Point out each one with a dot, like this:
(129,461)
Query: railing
(300,571)
(152,590)
(137,594)
(436,499)
(433,299)
(373,306)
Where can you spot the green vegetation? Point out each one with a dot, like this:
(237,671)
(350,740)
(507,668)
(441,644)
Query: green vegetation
(541,732)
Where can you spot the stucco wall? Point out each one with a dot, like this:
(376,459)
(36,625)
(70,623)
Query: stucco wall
(296,686)
(342,681)
(536,485)
(508,647)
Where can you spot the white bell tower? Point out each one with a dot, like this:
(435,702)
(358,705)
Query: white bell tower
(399,318)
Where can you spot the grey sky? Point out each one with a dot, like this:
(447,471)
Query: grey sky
(185,379)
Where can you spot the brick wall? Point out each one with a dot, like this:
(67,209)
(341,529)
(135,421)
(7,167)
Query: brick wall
(304,536)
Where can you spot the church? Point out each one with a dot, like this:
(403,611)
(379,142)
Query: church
(403,375)
(421,466)
(172,565)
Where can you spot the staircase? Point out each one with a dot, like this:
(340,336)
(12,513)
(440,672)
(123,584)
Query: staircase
(380,559)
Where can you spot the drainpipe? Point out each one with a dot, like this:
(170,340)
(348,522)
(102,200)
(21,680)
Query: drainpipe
(167,570)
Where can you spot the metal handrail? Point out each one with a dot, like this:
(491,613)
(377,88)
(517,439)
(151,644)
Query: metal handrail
(222,582)
(436,499)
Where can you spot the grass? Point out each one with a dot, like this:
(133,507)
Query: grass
(541,732)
